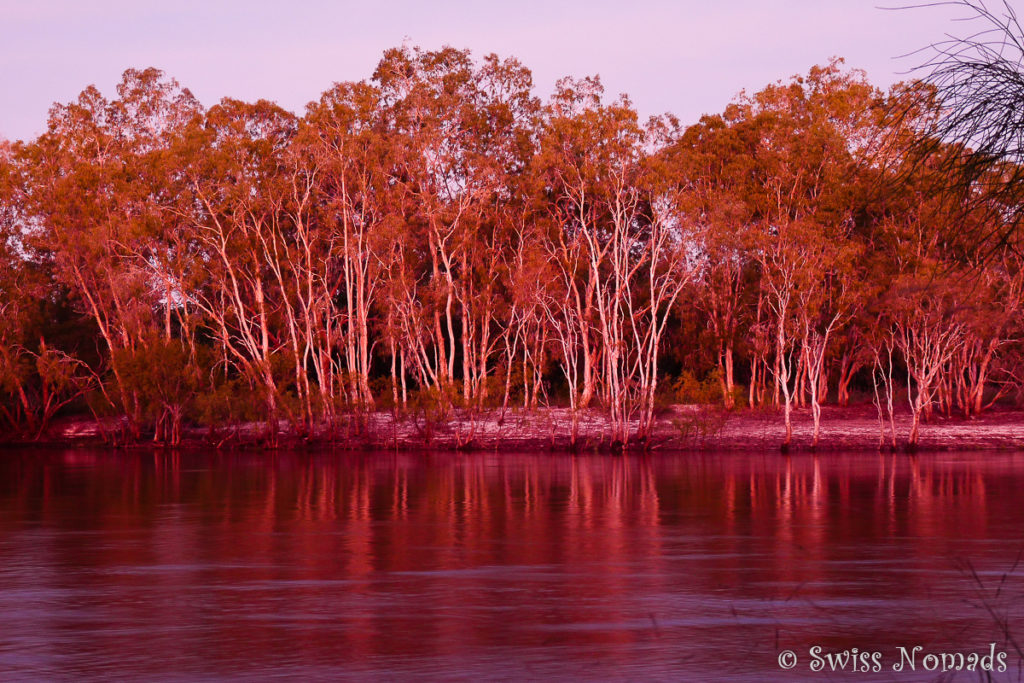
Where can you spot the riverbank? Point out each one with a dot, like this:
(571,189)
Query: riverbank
(679,428)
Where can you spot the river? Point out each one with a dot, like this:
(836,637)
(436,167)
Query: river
(151,565)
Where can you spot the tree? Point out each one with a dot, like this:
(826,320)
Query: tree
(345,257)
(466,135)
(230,208)
(713,161)
(619,242)
(93,190)
(435,229)
(976,86)
(809,136)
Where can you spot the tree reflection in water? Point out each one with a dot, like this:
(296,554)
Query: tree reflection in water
(494,565)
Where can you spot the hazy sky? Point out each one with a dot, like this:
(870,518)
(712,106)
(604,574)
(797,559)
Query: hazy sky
(688,57)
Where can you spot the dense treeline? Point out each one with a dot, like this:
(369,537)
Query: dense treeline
(438,238)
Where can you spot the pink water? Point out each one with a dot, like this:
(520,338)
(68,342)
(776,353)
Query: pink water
(515,566)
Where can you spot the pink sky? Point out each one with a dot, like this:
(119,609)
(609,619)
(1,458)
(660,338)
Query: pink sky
(688,57)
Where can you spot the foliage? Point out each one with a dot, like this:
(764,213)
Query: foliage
(437,241)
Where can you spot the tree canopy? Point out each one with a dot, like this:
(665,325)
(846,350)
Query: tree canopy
(437,238)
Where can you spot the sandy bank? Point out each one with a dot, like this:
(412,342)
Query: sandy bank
(679,428)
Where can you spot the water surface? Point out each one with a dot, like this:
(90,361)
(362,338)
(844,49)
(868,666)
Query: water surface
(384,565)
